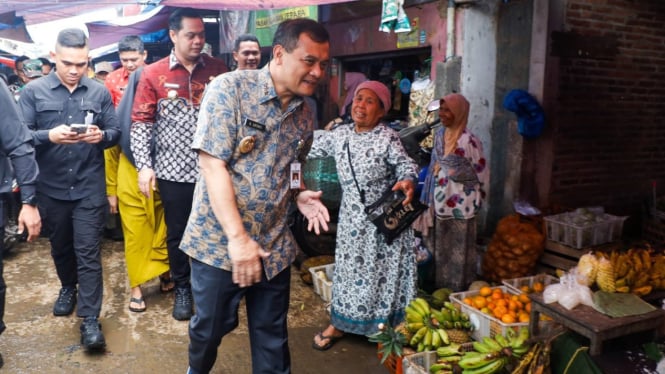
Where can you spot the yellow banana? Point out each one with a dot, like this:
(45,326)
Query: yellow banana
(424,306)
(418,336)
(436,339)
(427,340)
(445,339)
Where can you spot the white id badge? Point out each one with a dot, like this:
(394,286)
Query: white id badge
(295,176)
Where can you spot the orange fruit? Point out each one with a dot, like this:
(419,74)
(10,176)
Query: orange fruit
(524,298)
(512,305)
(527,308)
(538,287)
(508,318)
(486,310)
(500,311)
(523,317)
(525,289)
(479,302)
(485,291)
(502,303)
(497,295)
(468,301)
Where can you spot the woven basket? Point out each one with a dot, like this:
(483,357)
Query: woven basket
(320,174)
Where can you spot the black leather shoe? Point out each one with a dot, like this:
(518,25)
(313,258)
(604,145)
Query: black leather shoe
(91,334)
(64,306)
(182,306)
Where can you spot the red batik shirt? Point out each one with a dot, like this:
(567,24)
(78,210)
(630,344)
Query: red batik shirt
(165,111)
(116,83)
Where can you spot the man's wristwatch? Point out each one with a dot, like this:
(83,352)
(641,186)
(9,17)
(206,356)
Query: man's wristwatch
(30,200)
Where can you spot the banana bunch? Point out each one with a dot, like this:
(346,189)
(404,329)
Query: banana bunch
(492,354)
(447,359)
(426,336)
(433,328)
(637,270)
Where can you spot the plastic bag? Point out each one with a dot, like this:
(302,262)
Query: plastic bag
(570,292)
(552,292)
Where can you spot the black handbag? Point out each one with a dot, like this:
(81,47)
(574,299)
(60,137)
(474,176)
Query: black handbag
(388,213)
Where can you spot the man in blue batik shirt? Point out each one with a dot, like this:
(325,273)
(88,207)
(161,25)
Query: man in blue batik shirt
(252,127)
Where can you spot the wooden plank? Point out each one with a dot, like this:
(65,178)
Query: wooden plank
(557,262)
(577,253)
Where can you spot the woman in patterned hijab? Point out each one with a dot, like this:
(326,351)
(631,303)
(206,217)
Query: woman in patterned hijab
(454,188)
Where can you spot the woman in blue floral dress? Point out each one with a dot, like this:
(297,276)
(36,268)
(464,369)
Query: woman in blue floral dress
(373,281)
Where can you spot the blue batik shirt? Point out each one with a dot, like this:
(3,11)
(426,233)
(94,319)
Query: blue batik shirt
(238,105)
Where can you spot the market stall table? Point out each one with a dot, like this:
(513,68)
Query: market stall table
(592,324)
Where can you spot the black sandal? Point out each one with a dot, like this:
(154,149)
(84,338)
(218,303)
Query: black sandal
(166,283)
(137,300)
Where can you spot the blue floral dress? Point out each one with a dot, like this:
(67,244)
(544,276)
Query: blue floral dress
(372,281)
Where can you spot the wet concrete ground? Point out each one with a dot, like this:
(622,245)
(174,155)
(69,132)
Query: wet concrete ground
(151,342)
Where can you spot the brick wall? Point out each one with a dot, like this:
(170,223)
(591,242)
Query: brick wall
(609,117)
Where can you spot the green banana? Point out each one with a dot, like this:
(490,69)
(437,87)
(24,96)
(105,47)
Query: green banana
(464,317)
(467,325)
(494,346)
(521,338)
(445,339)
(447,325)
(489,368)
(503,342)
(440,366)
(450,359)
(521,350)
(481,347)
(438,315)
(457,325)
(418,336)
(454,315)
(445,312)
(477,361)
(421,347)
(449,350)
(450,306)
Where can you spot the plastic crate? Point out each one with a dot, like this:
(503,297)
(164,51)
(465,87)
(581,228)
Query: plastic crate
(418,363)
(321,286)
(516,283)
(484,324)
(606,228)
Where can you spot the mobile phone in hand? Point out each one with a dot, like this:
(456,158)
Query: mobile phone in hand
(78,128)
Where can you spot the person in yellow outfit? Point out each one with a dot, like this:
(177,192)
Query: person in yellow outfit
(142,218)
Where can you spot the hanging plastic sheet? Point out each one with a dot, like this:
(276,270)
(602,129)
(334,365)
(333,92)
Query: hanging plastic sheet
(393,17)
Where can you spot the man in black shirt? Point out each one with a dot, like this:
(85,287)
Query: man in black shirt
(72,119)
(15,145)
